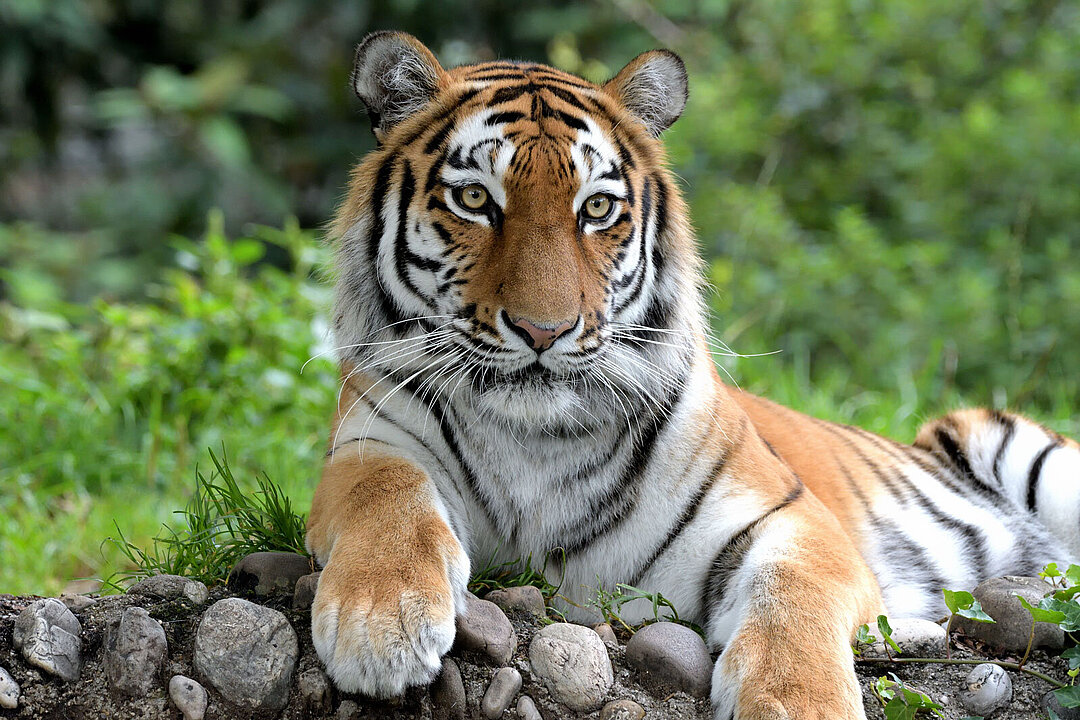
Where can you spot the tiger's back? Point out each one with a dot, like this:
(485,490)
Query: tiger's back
(526,373)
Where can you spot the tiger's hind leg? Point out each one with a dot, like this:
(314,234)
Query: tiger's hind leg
(1037,469)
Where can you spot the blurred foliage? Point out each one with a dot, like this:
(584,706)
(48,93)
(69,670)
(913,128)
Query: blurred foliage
(885,193)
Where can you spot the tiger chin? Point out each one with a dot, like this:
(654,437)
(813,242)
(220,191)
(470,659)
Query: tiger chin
(525,368)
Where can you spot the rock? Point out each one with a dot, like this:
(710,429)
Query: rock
(9,691)
(77,603)
(247,652)
(48,635)
(624,709)
(314,687)
(304,592)
(915,636)
(483,628)
(526,709)
(1013,625)
(347,710)
(501,692)
(573,663)
(519,599)
(1050,703)
(265,573)
(607,634)
(135,652)
(448,693)
(171,587)
(188,696)
(671,657)
(987,688)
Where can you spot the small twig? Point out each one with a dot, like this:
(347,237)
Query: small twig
(959,661)
(1031,638)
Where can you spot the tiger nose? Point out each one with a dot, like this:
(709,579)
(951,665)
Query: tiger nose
(539,336)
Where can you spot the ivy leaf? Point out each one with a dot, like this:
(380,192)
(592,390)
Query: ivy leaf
(1050,571)
(1069,697)
(1071,611)
(964,604)
(1068,593)
(1072,575)
(1041,614)
(886,633)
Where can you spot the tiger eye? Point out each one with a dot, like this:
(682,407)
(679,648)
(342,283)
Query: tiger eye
(474,197)
(598,206)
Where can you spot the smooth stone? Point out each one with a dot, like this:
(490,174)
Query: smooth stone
(526,598)
(304,592)
(606,633)
(526,709)
(248,653)
(483,627)
(1013,626)
(134,652)
(1050,702)
(915,636)
(314,687)
(624,709)
(9,691)
(671,657)
(573,663)
(188,696)
(501,692)
(448,693)
(48,635)
(77,603)
(265,573)
(171,587)
(987,688)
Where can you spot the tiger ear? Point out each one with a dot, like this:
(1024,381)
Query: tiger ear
(653,88)
(395,75)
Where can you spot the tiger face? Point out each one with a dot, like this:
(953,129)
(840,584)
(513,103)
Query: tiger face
(525,234)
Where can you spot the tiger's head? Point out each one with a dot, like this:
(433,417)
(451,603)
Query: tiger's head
(516,234)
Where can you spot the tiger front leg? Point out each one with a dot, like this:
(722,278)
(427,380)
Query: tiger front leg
(785,602)
(393,579)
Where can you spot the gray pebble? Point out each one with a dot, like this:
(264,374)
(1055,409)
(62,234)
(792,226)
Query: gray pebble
(9,691)
(265,573)
(448,693)
(347,710)
(606,633)
(314,688)
(188,696)
(483,627)
(519,599)
(987,688)
(48,635)
(573,663)
(171,587)
(526,709)
(304,592)
(671,657)
(135,651)
(915,636)
(1013,625)
(247,652)
(624,709)
(77,603)
(501,692)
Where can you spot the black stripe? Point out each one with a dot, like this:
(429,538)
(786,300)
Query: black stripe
(686,517)
(1009,424)
(730,557)
(387,305)
(954,452)
(503,118)
(1034,475)
(402,253)
(452,106)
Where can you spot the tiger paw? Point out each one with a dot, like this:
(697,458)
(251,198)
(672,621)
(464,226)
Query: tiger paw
(380,632)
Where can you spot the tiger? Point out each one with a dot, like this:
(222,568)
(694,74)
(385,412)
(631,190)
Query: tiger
(526,370)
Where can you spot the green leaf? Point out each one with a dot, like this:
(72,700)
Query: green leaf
(886,633)
(1069,697)
(1072,575)
(1050,571)
(1073,656)
(964,604)
(1068,593)
(1039,614)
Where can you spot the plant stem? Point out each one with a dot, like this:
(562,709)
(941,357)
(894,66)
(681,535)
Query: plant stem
(948,637)
(958,661)
(1031,639)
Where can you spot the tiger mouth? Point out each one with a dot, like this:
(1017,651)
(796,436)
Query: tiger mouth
(531,376)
